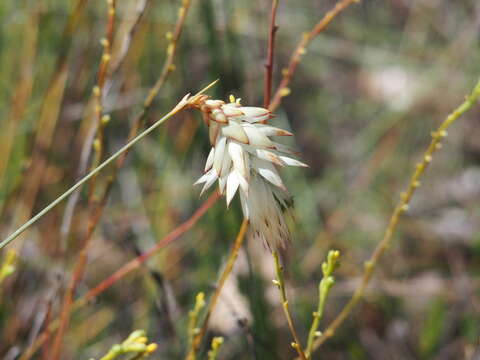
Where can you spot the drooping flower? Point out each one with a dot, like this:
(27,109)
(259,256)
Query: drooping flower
(244,157)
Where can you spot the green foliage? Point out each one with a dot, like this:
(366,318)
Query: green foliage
(361,104)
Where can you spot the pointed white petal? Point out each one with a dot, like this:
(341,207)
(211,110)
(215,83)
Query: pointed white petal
(235,131)
(255,114)
(269,156)
(209,183)
(256,138)
(254,111)
(236,153)
(243,184)
(203,178)
(209,163)
(231,110)
(233,182)
(222,181)
(209,178)
(268,171)
(226,164)
(219,154)
(292,162)
(273,131)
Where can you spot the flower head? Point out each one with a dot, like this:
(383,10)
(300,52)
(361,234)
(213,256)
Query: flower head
(245,158)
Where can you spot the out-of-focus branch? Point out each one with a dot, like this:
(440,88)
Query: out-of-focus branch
(267,89)
(168,66)
(48,117)
(280,283)
(117,62)
(20,93)
(125,270)
(98,146)
(195,345)
(296,57)
(400,208)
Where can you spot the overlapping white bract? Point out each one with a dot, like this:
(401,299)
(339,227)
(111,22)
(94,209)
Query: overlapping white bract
(244,157)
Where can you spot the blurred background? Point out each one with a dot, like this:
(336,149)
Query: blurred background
(363,102)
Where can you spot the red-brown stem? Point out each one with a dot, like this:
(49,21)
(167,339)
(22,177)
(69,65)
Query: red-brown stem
(168,66)
(82,257)
(124,270)
(70,293)
(267,90)
(139,260)
(296,56)
(87,147)
(99,95)
(95,218)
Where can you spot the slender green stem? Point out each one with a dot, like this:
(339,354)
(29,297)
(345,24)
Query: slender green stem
(216,343)
(402,206)
(193,315)
(323,290)
(136,343)
(280,282)
(180,106)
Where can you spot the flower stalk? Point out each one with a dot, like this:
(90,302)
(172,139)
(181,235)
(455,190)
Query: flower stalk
(186,101)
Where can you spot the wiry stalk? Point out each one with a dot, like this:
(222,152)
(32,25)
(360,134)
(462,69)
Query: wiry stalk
(280,283)
(283,89)
(218,289)
(123,271)
(184,102)
(400,208)
(100,122)
(267,86)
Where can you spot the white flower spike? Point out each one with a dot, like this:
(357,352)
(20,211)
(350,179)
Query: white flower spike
(244,158)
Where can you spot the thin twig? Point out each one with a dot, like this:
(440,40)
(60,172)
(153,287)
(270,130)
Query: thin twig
(48,118)
(267,90)
(296,56)
(140,119)
(218,288)
(99,94)
(139,260)
(400,208)
(121,55)
(118,61)
(20,93)
(82,259)
(99,123)
(125,270)
(193,316)
(280,283)
(87,177)
(98,210)
(168,66)
(323,290)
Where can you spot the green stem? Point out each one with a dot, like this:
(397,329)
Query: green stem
(280,283)
(323,290)
(180,106)
(401,207)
